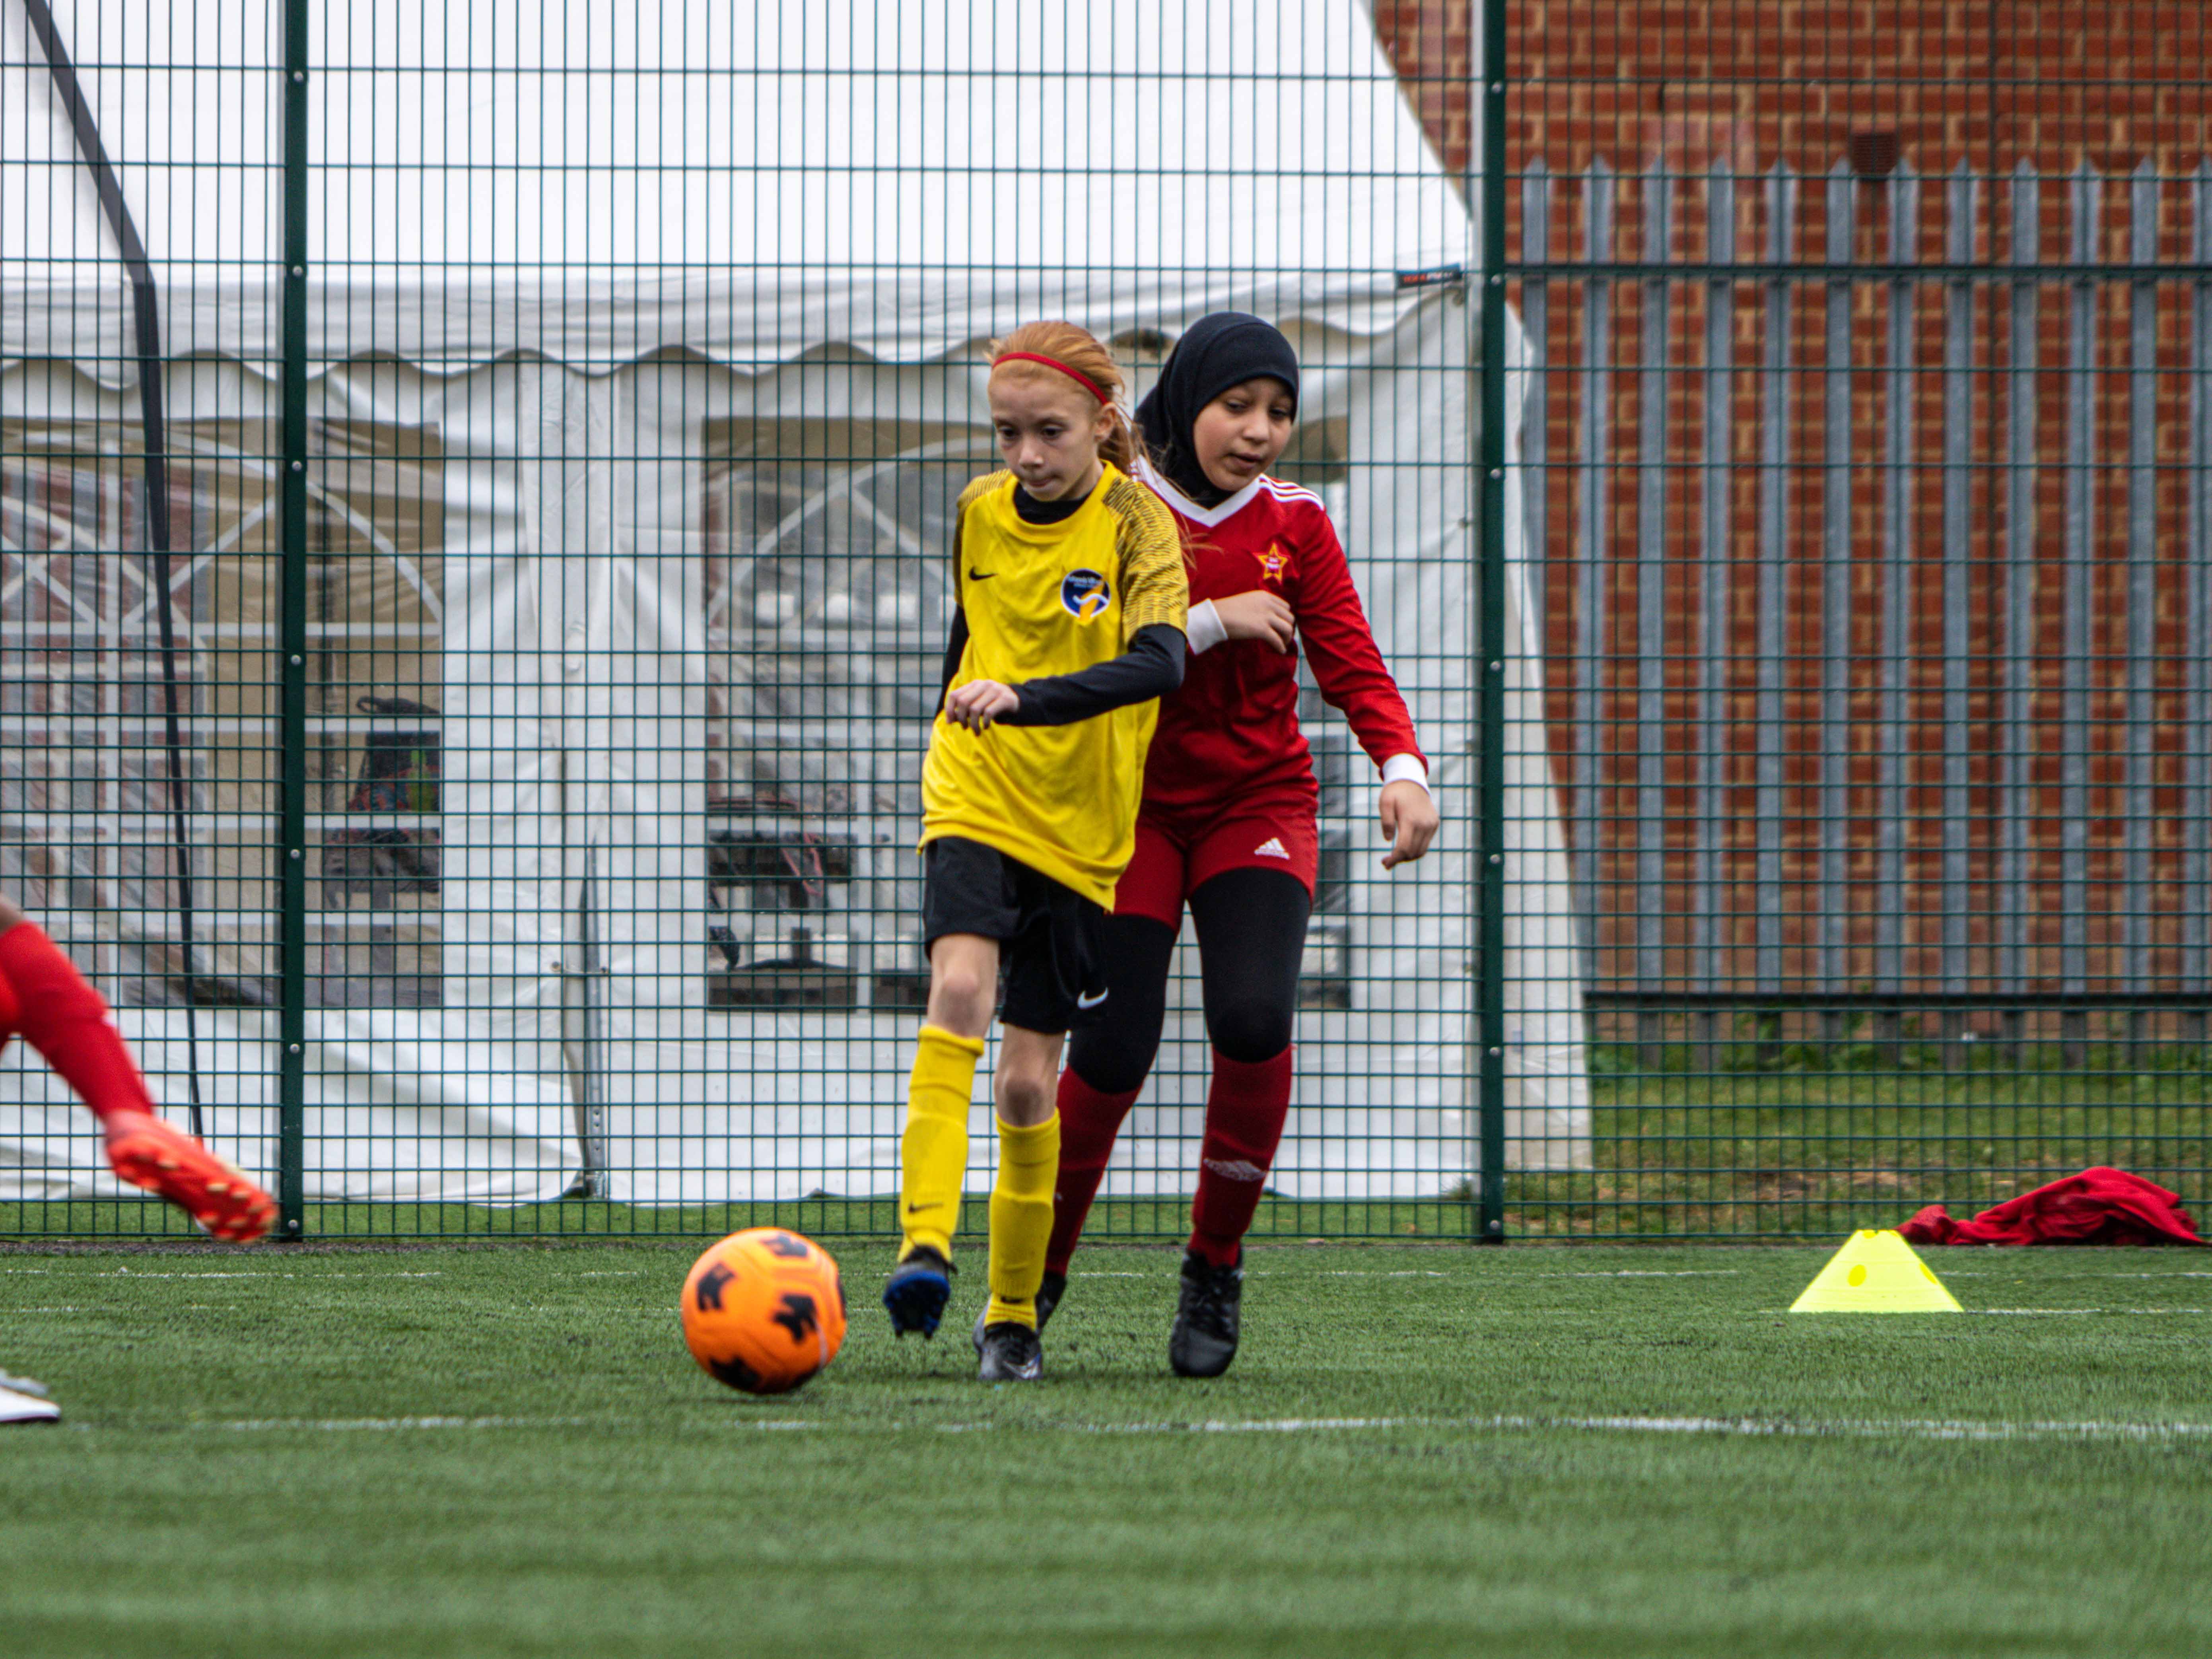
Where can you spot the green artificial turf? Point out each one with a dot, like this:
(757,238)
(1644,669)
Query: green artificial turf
(1423,1450)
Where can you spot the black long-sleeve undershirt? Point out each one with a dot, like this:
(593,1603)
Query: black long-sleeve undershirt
(1152,667)
(955,646)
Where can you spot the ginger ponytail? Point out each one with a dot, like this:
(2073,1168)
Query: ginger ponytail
(1077,358)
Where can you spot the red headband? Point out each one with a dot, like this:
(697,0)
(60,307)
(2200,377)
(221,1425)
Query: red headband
(1083,380)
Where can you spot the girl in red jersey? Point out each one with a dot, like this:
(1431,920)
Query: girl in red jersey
(1227,821)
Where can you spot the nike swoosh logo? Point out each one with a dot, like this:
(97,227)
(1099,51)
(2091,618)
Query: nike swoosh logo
(1086,1003)
(981,575)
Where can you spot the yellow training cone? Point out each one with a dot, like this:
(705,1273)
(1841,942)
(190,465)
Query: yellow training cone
(1876,1272)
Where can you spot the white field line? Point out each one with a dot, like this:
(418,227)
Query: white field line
(2037,1312)
(407,1424)
(388,1425)
(127,1273)
(1875,1429)
(188,1307)
(1732,1427)
(1867,1428)
(661,1313)
(1992,1273)
(1264,1425)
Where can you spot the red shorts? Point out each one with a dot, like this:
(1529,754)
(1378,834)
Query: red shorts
(1175,857)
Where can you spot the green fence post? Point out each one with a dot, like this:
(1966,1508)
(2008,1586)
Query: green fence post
(1490,665)
(292,807)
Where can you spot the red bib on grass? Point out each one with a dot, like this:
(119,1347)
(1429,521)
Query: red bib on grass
(2098,1206)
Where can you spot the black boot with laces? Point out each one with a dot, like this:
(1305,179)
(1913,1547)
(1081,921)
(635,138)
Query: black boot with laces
(1205,1337)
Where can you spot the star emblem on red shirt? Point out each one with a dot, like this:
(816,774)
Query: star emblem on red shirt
(1272,564)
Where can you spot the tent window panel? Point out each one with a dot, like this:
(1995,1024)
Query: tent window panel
(66,692)
(141,684)
(137,801)
(86,824)
(40,775)
(827,600)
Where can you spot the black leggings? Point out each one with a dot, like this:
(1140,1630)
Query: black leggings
(1251,941)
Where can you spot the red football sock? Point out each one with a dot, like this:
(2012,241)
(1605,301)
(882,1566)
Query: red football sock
(1244,1114)
(1089,1120)
(64,1019)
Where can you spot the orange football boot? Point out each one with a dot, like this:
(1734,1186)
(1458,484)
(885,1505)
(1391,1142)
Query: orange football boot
(165,1160)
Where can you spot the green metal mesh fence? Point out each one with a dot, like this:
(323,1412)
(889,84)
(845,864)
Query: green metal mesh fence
(1864,446)
(558,421)
(474,495)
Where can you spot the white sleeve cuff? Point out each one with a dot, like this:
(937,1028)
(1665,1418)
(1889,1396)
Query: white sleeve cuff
(1205,631)
(1405,768)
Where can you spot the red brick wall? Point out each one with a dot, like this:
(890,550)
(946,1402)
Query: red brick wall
(1653,88)
(2056,82)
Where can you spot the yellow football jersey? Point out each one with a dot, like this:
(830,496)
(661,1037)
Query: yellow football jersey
(1044,600)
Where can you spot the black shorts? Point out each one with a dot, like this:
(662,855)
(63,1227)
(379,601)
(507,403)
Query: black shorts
(1050,937)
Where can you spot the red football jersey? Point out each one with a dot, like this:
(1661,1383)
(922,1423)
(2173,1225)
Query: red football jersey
(1232,730)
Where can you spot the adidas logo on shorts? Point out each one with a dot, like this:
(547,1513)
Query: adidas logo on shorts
(1272,847)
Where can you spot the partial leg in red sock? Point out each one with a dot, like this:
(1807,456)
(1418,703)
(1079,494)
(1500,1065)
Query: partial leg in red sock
(1109,1054)
(1244,1113)
(1090,1120)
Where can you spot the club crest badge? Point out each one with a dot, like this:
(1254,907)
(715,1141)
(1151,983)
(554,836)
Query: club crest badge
(1275,564)
(1084,594)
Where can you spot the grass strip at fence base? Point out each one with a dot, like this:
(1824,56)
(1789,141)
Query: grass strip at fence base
(1161,1221)
(1754,1155)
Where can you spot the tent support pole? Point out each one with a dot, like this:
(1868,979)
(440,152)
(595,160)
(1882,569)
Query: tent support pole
(146,313)
(1490,664)
(592,1110)
(291,805)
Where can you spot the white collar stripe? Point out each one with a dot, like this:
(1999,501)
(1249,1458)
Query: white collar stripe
(1208,516)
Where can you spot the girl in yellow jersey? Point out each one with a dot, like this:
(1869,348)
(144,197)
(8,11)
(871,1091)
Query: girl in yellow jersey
(1070,623)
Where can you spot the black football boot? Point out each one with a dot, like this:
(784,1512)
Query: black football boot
(1009,1352)
(1048,1299)
(1204,1341)
(916,1294)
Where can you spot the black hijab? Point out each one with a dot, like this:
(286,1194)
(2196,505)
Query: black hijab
(1222,350)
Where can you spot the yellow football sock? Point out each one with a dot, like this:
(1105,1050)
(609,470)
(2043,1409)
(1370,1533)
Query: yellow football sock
(1021,1218)
(933,1150)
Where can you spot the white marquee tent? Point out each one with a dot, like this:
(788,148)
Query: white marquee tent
(644,344)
